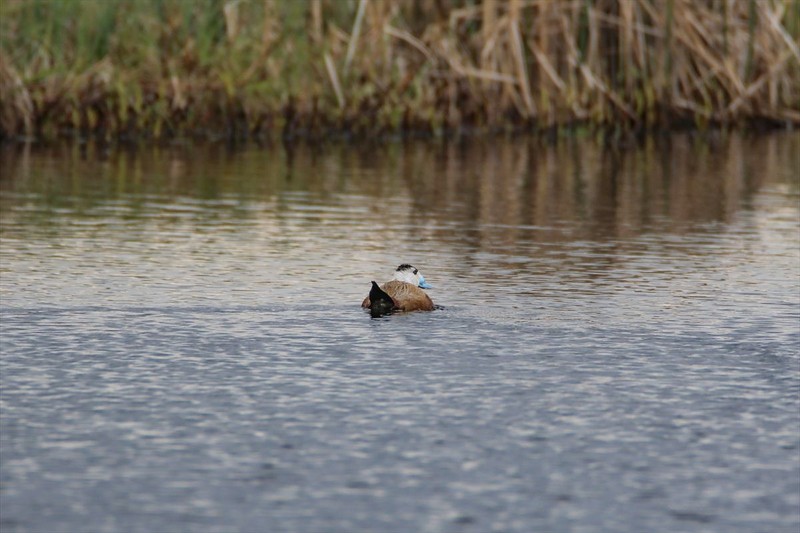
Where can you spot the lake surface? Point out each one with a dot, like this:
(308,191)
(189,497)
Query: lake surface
(183,349)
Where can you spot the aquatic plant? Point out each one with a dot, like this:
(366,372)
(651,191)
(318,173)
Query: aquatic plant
(117,69)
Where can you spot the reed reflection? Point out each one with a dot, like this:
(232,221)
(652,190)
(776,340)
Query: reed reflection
(579,190)
(490,194)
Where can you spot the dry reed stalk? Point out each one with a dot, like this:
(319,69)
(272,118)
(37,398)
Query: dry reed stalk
(488,13)
(627,50)
(354,35)
(543,14)
(752,21)
(483,75)
(316,20)
(547,66)
(410,39)
(519,56)
(669,52)
(593,52)
(488,36)
(337,88)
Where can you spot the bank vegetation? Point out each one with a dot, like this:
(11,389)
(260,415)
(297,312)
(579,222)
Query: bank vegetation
(129,69)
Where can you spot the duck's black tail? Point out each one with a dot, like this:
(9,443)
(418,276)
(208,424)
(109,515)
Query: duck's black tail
(380,302)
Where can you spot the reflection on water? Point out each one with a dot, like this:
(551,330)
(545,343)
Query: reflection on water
(183,349)
(517,187)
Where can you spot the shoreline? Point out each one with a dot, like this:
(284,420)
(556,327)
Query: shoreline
(610,135)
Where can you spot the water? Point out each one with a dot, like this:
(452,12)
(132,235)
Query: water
(618,350)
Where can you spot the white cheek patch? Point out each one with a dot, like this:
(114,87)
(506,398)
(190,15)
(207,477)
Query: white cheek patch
(405,275)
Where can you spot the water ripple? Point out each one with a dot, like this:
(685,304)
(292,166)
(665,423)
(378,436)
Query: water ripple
(192,356)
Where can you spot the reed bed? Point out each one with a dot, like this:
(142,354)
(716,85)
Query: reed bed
(119,69)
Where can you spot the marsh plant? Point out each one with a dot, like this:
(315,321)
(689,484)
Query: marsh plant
(115,69)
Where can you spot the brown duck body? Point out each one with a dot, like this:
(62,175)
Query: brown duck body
(406,297)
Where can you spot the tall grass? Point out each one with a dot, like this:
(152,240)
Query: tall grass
(242,68)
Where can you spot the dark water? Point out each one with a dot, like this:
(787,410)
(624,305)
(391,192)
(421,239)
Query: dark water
(619,349)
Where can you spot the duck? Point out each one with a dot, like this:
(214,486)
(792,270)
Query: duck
(402,293)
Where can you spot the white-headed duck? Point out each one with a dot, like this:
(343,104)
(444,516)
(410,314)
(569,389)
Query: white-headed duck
(403,293)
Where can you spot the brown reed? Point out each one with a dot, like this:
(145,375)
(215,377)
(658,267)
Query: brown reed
(249,68)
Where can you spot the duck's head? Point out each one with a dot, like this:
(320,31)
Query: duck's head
(409,274)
